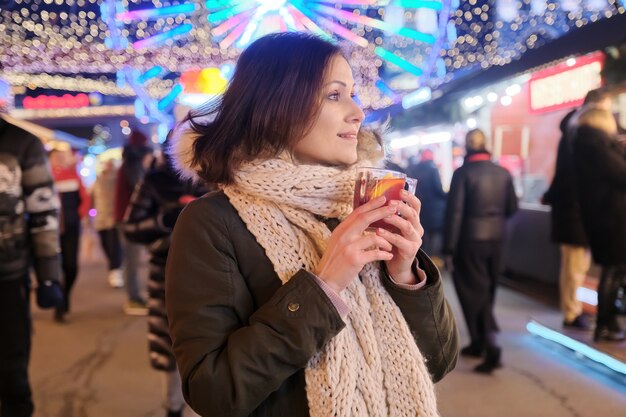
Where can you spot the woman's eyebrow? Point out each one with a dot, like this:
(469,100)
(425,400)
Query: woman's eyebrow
(338,82)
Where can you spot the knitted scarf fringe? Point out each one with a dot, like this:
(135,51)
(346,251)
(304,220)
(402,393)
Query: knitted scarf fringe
(372,368)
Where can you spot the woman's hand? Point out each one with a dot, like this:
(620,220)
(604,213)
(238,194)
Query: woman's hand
(407,242)
(349,249)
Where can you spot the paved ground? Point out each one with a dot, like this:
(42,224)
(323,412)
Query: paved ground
(96,364)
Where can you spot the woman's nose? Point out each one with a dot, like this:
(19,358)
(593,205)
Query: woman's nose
(357,114)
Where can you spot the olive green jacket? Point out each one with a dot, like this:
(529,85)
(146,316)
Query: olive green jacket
(242,339)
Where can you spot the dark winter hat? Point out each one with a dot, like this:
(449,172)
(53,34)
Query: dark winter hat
(137,139)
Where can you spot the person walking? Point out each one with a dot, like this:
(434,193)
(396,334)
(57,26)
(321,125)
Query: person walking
(30,236)
(566,223)
(75,204)
(480,199)
(136,159)
(278,302)
(600,176)
(433,198)
(104,221)
(154,208)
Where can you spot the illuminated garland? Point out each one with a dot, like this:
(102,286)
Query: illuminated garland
(388,40)
(156,88)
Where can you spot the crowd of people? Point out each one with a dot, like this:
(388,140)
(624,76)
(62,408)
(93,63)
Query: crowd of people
(268,294)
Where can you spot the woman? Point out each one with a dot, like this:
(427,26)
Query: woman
(600,173)
(136,159)
(75,204)
(275,307)
(104,222)
(154,208)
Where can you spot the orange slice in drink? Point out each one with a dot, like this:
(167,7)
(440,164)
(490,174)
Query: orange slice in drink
(388,186)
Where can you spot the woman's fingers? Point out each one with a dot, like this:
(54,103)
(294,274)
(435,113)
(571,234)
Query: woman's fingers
(406,227)
(412,201)
(371,205)
(373,241)
(376,255)
(410,210)
(368,248)
(362,219)
(403,244)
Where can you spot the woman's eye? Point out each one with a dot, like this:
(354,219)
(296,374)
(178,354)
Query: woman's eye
(334,96)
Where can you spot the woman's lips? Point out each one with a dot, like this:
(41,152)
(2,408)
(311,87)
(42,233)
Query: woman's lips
(350,136)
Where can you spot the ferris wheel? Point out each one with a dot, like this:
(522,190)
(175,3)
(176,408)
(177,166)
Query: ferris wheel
(405,36)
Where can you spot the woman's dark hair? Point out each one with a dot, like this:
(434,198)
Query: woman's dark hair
(270,103)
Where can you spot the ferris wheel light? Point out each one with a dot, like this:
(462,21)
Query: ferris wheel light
(272,4)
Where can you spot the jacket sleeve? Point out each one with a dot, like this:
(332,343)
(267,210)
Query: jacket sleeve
(437,187)
(455,207)
(430,318)
(42,206)
(511,198)
(143,221)
(563,159)
(231,352)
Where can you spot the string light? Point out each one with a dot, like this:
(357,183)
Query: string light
(101,111)
(156,88)
(67,38)
(496,34)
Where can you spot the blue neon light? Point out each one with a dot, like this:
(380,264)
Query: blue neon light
(585,350)
(417,97)
(384,88)
(147,14)
(396,60)
(231,11)
(162,37)
(149,74)
(166,101)
(418,4)
(217,4)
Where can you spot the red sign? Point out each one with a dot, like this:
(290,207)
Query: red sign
(66,101)
(565,85)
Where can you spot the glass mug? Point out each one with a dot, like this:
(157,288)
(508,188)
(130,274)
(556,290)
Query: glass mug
(372,183)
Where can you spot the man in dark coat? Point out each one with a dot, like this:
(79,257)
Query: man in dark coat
(600,168)
(480,200)
(30,236)
(433,198)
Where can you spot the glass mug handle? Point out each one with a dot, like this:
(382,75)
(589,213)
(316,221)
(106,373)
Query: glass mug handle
(410,184)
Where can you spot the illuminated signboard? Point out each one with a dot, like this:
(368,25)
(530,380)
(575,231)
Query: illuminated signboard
(565,85)
(66,101)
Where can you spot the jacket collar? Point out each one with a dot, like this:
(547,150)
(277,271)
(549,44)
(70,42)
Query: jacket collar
(478,156)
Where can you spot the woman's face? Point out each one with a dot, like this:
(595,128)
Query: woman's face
(332,140)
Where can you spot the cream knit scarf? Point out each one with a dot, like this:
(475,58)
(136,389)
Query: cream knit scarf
(373,367)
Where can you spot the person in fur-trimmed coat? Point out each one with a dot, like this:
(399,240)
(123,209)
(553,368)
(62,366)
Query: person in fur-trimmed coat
(154,208)
(600,172)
